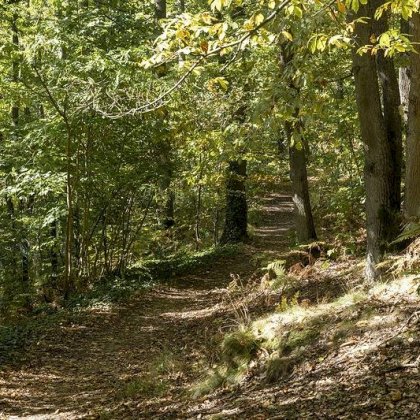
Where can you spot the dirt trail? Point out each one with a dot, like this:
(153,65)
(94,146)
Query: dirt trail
(139,360)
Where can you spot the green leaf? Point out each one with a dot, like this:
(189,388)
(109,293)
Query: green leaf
(287,35)
(258,19)
(385,40)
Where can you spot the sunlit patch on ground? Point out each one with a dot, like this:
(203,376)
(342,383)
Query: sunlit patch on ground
(217,344)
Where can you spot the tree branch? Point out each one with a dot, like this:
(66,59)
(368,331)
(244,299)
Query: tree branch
(158,102)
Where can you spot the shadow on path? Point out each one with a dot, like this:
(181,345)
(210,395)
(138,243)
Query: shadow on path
(160,342)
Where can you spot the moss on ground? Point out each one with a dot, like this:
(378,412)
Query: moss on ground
(239,347)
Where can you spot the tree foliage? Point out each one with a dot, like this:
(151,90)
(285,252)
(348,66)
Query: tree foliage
(105,110)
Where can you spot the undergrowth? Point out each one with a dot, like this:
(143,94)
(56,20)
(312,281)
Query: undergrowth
(181,264)
(293,331)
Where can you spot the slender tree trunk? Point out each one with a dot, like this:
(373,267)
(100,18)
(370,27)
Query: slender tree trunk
(404,80)
(236,215)
(84,198)
(23,244)
(198,218)
(54,255)
(169,207)
(412,182)
(105,247)
(379,160)
(68,258)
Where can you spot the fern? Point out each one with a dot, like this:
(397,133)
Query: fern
(277,267)
(411,231)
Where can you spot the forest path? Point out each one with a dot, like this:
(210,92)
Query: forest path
(138,360)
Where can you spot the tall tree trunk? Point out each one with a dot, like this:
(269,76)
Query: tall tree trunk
(379,160)
(412,182)
(236,214)
(68,258)
(169,207)
(54,254)
(304,222)
(390,95)
(15,114)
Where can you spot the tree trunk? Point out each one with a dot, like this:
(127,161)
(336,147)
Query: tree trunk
(305,227)
(412,183)
(169,208)
(304,222)
(379,160)
(390,95)
(169,220)
(404,85)
(160,9)
(404,80)
(54,254)
(68,258)
(236,214)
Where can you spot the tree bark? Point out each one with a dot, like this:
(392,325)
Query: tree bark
(404,85)
(236,215)
(404,80)
(304,222)
(169,207)
(390,95)
(412,192)
(54,254)
(379,160)
(160,9)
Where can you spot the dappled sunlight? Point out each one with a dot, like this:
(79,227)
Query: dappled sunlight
(110,356)
(194,295)
(180,349)
(150,328)
(210,209)
(271,232)
(331,348)
(270,326)
(194,314)
(102,308)
(402,287)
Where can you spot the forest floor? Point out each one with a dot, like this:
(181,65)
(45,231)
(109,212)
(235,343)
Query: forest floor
(145,358)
